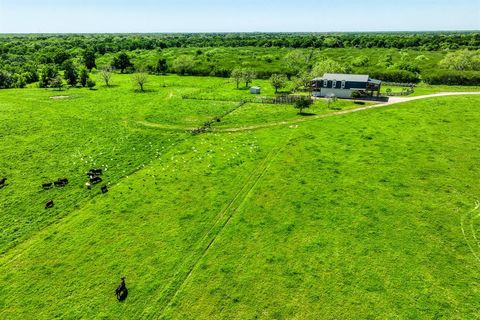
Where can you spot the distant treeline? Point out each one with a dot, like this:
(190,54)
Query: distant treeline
(103,43)
(443,57)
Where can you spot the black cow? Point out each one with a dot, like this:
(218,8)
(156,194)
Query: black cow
(94,172)
(3,182)
(95,180)
(121,292)
(61,182)
(47,186)
(49,204)
(104,188)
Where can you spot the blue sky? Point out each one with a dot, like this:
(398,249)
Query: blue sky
(22,16)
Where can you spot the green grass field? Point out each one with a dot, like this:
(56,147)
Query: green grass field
(424,89)
(367,215)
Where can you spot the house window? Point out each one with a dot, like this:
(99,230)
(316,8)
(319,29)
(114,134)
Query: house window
(334,85)
(343,84)
(325,83)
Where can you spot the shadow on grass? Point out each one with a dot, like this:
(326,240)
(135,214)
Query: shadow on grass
(306,114)
(145,91)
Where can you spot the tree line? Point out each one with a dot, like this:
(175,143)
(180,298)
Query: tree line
(26,59)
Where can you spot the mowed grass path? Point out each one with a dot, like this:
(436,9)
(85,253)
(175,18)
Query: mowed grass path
(356,216)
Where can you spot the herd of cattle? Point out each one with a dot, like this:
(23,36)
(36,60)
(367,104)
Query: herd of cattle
(94,178)
(93,175)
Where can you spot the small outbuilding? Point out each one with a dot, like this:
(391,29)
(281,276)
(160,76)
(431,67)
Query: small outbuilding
(344,85)
(255,90)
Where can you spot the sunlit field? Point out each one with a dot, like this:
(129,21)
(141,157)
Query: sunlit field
(361,215)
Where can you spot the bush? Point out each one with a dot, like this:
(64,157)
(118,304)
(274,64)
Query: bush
(408,66)
(461,78)
(6,80)
(361,61)
(402,76)
(91,84)
(183,65)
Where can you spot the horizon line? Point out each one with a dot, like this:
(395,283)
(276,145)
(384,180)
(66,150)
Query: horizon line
(238,32)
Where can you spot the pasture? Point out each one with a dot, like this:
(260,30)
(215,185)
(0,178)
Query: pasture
(364,215)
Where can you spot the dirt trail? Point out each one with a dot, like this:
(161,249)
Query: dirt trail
(392,101)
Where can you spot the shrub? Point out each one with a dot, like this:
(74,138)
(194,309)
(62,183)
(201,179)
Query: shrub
(361,61)
(356,95)
(408,66)
(91,84)
(461,78)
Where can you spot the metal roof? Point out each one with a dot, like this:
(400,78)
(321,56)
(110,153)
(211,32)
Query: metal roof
(346,77)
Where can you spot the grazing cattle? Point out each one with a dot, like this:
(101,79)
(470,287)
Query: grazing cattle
(121,292)
(94,172)
(3,182)
(104,188)
(95,180)
(47,186)
(61,182)
(49,204)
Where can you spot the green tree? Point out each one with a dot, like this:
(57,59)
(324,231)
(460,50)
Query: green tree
(57,82)
(162,66)
(83,77)
(248,76)
(140,78)
(278,81)
(89,59)
(47,74)
(70,73)
(463,60)
(303,103)
(237,76)
(106,74)
(327,66)
(302,80)
(6,80)
(295,61)
(183,65)
(121,61)
(20,81)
